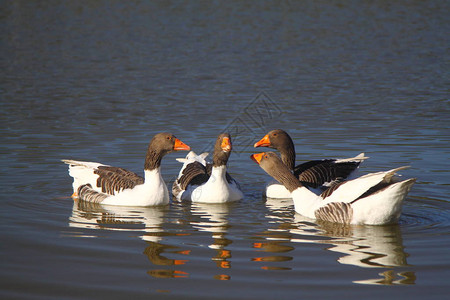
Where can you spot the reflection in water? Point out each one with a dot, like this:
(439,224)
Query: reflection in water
(146,221)
(121,218)
(362,246)
(273,247)
(281,216)
(279,205)
(389,278)
(154,251)
(214,219)
(162,273)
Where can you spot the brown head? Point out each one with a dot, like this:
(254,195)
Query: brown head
(273,166)
(280,140)
(160,145)
(222,150)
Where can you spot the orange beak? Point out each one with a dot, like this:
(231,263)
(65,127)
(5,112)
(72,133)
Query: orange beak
(257,157)
(264,142)
(226,144)
(179,145)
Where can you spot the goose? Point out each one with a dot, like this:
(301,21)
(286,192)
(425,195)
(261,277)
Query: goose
(372,199)
(99,183)
(202,182)
(316,175)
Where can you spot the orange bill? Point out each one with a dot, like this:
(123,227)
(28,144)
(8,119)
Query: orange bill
(257,157)
(226,144)
(179,145)
(264,142)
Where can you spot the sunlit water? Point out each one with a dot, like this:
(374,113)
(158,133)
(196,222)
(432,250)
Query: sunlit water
(95,81)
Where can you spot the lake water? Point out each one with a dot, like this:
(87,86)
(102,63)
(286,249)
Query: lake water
(96,80)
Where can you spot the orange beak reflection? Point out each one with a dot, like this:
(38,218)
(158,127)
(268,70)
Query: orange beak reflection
(264,142)
(257,157)
(226,144)
(179,261)
(179,145)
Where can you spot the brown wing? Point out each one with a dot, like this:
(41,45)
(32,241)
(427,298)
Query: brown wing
(195,174)
(338,212)
(334,186)
(318,172)
(113,179)
(87,193)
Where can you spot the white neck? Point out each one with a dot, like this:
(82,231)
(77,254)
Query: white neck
(218,173)
(216,189)
(152,176)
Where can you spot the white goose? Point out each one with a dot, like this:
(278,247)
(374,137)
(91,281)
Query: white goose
(316,175)
(207,183)
(95,182)
(372,199)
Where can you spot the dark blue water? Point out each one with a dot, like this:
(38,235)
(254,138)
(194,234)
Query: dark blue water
(96,80)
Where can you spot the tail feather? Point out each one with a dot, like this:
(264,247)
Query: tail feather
(192,155)
(86,164)
(391,173)
(359,158)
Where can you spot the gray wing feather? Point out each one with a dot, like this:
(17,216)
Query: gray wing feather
(334,186)
(316,173)
(113,179)
(194,173)
(87,193)
(338,212)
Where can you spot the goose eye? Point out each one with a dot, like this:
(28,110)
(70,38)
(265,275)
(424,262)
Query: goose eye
(275,134)
(168,137)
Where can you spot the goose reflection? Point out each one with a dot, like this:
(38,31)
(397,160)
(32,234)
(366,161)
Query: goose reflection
(146,222)
(154,253)
(120,218)
(279,204)
(389,278)
(213,218)
(274,248)
(281,209)
(361,245)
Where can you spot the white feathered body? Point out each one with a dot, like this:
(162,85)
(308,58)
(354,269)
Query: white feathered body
(152,192)
(215,190)
(381,207)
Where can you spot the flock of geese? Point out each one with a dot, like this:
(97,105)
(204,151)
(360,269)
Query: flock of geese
(321,189)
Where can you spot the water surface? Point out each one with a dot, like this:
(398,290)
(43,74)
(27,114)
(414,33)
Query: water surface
(96,80)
